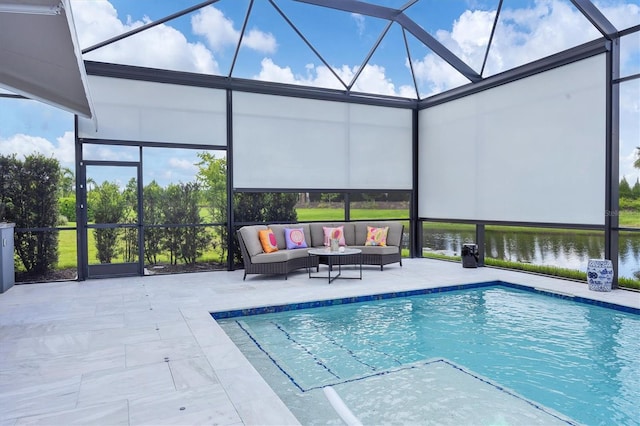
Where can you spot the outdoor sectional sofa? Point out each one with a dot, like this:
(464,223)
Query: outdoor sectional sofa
(284,260)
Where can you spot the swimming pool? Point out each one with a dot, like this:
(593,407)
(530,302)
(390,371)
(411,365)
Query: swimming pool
(570,360)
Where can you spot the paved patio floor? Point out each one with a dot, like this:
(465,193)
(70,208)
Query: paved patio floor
(144,350)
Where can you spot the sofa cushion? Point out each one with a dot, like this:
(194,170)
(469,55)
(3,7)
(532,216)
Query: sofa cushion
(296,253)
(278,230)
(317,232)
(279,256)
(378,249)
(294,238)
(276,256)
(250,237)
(394,235)
(268,240)
(376,236)
(333,233)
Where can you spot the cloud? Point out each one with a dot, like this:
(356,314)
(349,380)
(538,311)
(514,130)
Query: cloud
(629,128)
(436,75)
(630,173)
(23,145)
(621,15)
(260,41)
(522,35)
(272,72)
(528,34)
(107,153)
(159,47)
(360,23)
(373,78)
(182,164)
(469,36)
(219,32)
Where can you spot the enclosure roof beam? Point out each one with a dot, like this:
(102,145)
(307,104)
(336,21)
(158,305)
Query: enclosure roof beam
(147,26)
(597,19)
(407,23)
(438,48)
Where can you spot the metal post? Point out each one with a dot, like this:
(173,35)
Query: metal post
(140,224)
(230,219)
(81,210)
(415,234)
(480,243)
(612,158)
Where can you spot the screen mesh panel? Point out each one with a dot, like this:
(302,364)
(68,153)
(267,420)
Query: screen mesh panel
(281,142)
(144,111)
(532,150)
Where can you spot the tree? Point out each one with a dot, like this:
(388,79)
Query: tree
(248,206)
(109,209)
(67,207)
(67,182)
(251,207)
(153,215)
(7,170)
(636,164)
(194,238)
(130,196)
(280,207)
(173,216)
(329,197)
(635,191)
(625,189)
(212,176)
(181,207)
(29,192)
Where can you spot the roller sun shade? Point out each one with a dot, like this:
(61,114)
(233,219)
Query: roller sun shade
(39,54)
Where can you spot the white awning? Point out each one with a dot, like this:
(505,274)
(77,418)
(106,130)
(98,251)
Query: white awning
(39,54)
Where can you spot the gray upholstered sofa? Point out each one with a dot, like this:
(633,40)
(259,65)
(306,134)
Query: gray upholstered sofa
(284,260)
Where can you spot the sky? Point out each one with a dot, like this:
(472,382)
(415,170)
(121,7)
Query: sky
(205,42)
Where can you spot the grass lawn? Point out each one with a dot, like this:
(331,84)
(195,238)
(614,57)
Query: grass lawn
(337,214)
(629,219)
(67,248)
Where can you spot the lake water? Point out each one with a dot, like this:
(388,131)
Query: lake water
(570,250)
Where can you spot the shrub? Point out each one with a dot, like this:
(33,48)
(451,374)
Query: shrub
(251,207)
(109,208)
(153,215)
(629,204)
(29,191)
(181,207)
(68,207)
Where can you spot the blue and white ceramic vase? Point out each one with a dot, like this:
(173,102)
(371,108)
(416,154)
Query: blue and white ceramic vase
(599,274)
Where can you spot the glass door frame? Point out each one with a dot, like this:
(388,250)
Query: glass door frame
(107,270)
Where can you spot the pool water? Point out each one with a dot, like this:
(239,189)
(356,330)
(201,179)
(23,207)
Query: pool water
(577,359)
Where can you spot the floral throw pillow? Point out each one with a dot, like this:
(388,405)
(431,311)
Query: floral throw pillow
(376,236)
(268,240)
(331,233)
(294,237)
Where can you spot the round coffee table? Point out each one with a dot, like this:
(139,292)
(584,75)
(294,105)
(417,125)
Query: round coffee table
(336,258)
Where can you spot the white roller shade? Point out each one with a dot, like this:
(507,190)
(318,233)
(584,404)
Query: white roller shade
(39,54)
(144,111)
(532,150)
(289,143)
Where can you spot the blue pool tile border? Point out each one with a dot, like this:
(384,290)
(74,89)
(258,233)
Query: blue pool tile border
(408,293)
